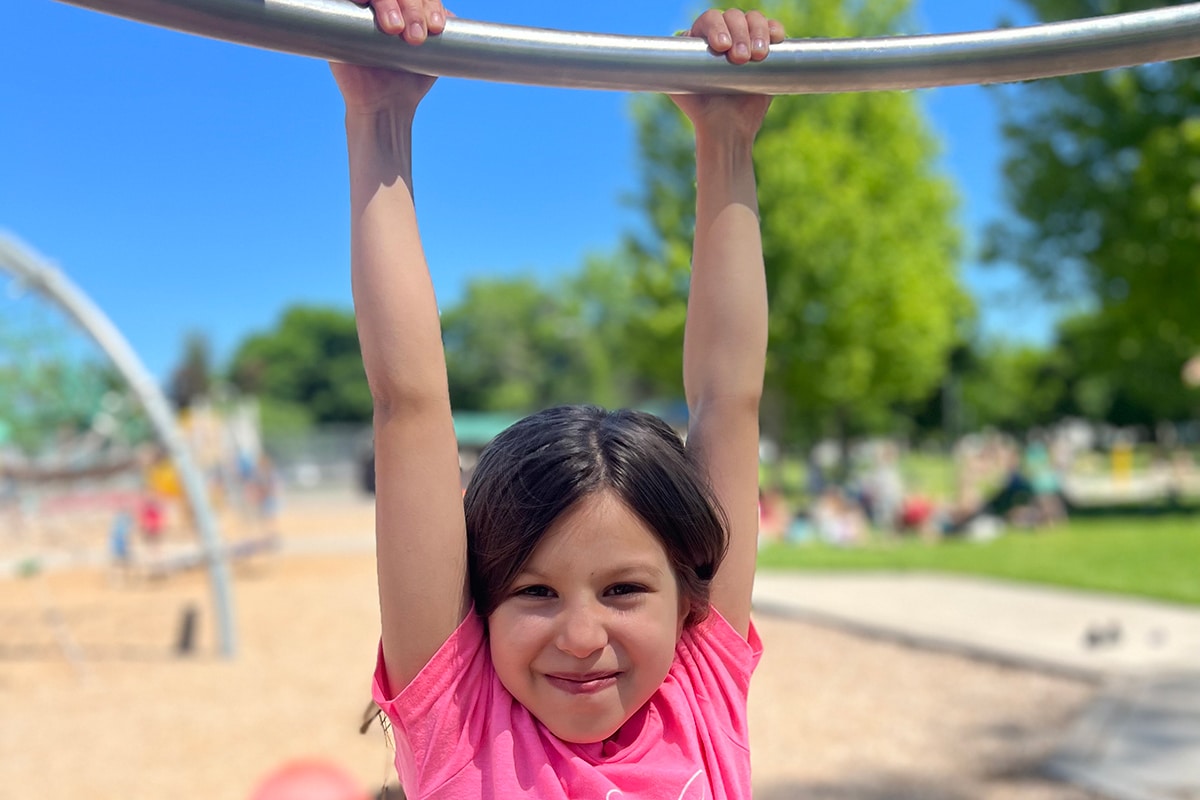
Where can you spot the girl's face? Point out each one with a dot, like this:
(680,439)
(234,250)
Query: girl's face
(587,632)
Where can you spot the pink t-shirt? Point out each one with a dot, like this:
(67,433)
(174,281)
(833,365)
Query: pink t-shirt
(461,736)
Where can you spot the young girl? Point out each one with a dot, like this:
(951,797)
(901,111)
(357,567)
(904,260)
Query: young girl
(583,630)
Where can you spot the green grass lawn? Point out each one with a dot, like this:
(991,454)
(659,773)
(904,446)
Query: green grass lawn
(1153,556)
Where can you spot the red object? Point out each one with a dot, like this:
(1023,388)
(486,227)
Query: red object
(309,779)
(916,512)
(151,517)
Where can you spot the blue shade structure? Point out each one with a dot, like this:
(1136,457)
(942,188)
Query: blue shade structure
(339,30)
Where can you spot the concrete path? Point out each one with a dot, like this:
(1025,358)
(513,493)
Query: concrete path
(1140,738)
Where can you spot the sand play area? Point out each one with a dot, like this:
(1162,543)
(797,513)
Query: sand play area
(98,704)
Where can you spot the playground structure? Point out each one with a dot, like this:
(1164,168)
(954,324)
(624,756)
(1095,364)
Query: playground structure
(38,275)
(339,30)
(359,12)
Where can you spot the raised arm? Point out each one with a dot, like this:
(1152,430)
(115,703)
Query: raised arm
(725,342)
(419,529)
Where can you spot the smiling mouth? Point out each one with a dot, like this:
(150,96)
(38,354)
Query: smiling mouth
(583,684)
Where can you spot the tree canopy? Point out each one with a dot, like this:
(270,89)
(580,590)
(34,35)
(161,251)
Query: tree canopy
(1103,179)
(55,387)
(861,248)
(192,377)
(859,235)
(516,345)
(310,360)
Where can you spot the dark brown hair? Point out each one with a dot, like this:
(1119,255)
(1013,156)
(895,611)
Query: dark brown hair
(541,466)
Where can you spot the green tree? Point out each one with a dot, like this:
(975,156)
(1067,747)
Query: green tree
(40,403)
(59,392)
(1112,378)
(311,361)
(51,388)
(598,301)
(860,243)
(192,378)
(515,345)
(1013,387)
(500,342)
(1103,179)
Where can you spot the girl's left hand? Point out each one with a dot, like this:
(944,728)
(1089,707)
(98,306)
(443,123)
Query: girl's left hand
(741,37)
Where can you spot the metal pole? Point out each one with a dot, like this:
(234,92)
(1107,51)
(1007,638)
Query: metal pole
(339,30)
(36,273)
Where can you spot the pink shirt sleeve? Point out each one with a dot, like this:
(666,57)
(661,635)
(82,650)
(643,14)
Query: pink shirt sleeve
(707,688)
(441,712)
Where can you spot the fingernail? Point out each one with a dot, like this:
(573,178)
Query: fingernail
(759,44)
(723,39)
(417,31)
(394,19)
(741,50)
(436,18)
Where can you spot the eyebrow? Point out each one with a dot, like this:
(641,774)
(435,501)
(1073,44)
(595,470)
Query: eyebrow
(629,570)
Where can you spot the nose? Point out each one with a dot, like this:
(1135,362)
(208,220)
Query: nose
(581,631)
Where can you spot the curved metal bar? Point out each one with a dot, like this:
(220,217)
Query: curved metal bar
(338,30)
(38,274)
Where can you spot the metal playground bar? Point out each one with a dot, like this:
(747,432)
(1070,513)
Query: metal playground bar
(339,30)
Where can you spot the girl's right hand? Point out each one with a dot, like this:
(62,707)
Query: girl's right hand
(371,88)
(412,19)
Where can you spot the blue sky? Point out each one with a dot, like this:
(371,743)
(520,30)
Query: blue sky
(189,185)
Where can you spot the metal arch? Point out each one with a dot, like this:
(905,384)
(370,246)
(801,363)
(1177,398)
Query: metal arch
(339,30)
(36,273)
